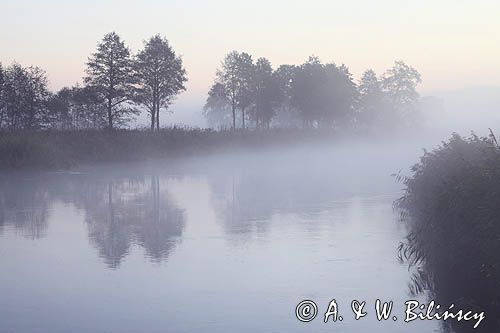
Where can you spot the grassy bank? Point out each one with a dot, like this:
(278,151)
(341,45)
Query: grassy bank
(56,149)
(452,208)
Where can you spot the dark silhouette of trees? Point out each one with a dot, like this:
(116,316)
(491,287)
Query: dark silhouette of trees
(324,94)
(24,97)
(76,108)
(345,93)
(313,94)
(371,100)
(109,72)
(2,90)
(118,85)
(286,114)
(265,94)
(88,109)
(236,75)
(160,77)
(60,107)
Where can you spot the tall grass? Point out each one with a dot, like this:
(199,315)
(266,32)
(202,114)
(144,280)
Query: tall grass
(452,207)
(57,148)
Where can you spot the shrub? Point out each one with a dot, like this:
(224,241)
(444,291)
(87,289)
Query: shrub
(451,206)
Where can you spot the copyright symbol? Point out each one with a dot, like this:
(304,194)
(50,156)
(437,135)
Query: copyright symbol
(306,311)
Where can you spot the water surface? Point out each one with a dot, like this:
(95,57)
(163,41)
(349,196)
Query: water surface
(228,243)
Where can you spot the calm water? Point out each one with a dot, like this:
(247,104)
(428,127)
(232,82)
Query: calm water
(222,244)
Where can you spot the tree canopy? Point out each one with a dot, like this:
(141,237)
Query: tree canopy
(160,77)
(246,93)
(313,94)
(109,72)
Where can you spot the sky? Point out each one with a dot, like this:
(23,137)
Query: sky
(453,44)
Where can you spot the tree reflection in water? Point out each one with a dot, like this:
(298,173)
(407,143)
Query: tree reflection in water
(119,211)
(122,213)
(24,205)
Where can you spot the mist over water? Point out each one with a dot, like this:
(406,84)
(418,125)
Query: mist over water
(224,243)
(209,167)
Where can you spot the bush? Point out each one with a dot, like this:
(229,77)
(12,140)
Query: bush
(452,208)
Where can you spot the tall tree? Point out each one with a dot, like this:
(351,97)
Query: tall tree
(236,75)
(286,114)
(308,88)
(344,94)
(266,93)
(160,77)
(109,71)
(246,74)
(400,83)
(25,97)
(2,103)
(324,94)
(371,100)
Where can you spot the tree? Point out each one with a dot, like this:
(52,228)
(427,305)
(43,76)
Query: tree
(88,108)
(60,109)
(236,74)
(399,83)
(160,77)
(217,109)
(25,96)
(324,94)
(2,103)
(265,94)
(76,108)
(286,114)
(109,72)
(371,99)
(344,94)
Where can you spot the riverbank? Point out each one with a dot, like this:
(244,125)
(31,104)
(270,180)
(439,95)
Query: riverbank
(63,149)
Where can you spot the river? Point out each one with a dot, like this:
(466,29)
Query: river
(230,242)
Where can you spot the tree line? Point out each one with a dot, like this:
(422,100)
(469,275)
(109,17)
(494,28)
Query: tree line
(116,85)
(313,94)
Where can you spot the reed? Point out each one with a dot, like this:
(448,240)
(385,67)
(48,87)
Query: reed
(451,207)
(66,148)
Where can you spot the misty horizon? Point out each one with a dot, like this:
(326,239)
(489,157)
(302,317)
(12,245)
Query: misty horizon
(283,166)
(451,44)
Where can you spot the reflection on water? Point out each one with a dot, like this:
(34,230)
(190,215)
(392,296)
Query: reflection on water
(118,212)
(24,205)
(242,239)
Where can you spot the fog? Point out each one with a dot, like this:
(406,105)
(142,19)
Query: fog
(470,109)
(246,230)
(208,167)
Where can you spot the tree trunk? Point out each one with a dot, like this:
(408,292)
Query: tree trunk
(153,112)
(158,116)
(157,104)
(233,110)
(243,118)
(110,114)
